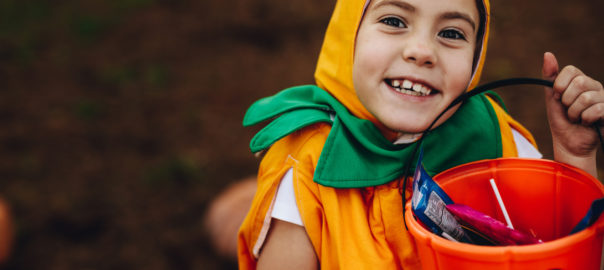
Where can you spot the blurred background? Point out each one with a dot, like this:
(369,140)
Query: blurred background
(121,119)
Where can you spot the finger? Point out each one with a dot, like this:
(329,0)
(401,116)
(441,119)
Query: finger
(549,71)
(587,108)
(554,107)
(565,77)
(550,66)
(593,115)
(579,85)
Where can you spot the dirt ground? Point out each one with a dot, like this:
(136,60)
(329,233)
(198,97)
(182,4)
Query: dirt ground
(121,120)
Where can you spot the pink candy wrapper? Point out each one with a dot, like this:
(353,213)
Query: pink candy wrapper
(494,229)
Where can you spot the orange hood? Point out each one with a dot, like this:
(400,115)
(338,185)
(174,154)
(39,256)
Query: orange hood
(334,68)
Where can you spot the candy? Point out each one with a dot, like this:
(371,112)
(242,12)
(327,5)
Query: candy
(494,229)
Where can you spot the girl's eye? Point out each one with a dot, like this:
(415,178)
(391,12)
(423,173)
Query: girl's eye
(451,34)
(392,21)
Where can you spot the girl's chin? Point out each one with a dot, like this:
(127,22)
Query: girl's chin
(407,128)
(413,123)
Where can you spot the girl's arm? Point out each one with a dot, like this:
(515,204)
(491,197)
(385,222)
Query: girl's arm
(575,105)
(287,246)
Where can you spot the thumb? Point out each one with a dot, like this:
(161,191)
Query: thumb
(550,72)
(556,113)
(550,66)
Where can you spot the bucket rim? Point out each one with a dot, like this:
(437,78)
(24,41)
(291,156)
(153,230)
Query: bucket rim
(524,163)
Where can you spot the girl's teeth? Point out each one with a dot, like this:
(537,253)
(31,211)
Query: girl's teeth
(412,93)
(410,88)
(425,91)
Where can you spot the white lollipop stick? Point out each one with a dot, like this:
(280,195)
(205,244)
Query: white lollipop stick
(500,201)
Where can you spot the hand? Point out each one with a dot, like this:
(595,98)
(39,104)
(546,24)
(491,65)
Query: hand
(574,106)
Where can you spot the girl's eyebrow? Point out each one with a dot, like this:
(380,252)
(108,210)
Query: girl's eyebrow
(401,4)
(459,15)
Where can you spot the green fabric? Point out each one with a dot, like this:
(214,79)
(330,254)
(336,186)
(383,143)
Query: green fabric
(497,99)
(356,154)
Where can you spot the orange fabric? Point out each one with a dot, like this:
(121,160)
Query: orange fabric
(506,123)
(356,228)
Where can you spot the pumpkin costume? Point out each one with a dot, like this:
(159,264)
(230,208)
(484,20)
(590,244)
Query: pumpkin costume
(346,170)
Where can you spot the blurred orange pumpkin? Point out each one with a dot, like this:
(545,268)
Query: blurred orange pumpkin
(6,231)
(225,215)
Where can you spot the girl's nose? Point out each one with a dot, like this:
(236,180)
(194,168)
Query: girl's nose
(420,51)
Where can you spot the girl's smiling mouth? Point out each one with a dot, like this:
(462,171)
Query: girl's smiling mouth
(408,87)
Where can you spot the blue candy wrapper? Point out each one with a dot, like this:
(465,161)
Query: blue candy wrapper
(429,205)
(594,212)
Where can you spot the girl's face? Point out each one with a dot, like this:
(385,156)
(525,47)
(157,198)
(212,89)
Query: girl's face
(413,58)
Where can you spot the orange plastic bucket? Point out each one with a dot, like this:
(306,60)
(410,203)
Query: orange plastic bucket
(544,196)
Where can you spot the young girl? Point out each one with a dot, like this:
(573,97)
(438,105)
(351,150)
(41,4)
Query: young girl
(329,194)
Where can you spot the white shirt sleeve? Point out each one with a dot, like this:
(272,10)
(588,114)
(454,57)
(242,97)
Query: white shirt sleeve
(285,207)
(524,147)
